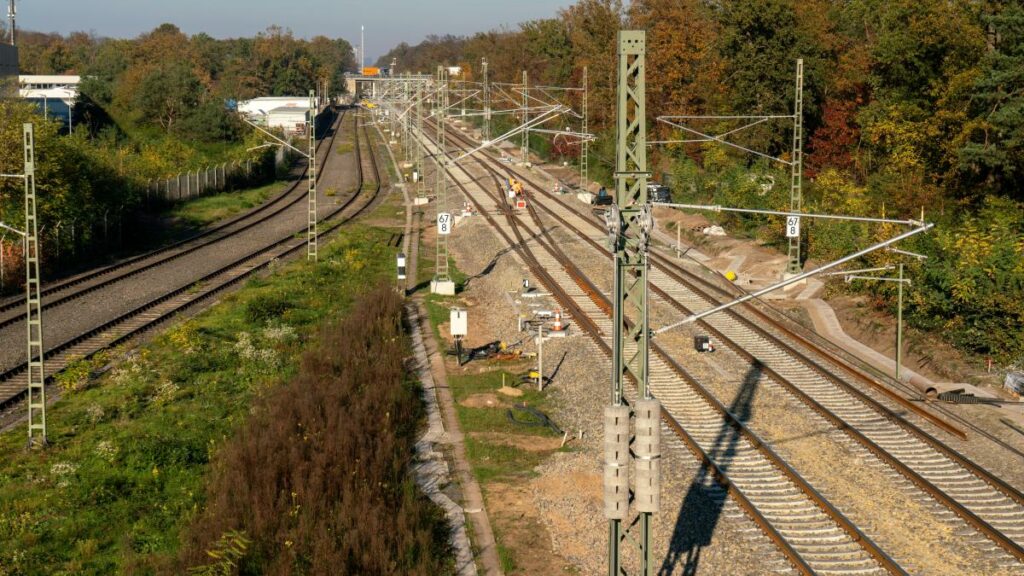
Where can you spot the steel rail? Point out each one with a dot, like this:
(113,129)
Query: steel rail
(922,483)
(290,249)
(595,333)
(170,257)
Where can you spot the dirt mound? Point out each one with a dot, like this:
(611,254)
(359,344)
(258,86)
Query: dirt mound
(487,400)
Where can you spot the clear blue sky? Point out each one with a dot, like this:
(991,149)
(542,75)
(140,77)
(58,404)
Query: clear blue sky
(388,22)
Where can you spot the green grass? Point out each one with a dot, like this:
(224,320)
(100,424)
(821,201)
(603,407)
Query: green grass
(208,209)
(125,470)
(496,462)
(508,561)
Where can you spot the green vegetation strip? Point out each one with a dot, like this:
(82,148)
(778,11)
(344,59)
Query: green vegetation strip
(209,209)
(124,476)
(492,459)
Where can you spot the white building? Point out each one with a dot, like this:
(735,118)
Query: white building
(257,109)
(58,87)
(54,94)
(290,119)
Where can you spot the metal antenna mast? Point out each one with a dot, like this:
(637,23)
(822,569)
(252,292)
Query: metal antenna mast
(12,35)
(585,143)
(526,120)
(796,187)
(311,239)
(487,105)
(630,224)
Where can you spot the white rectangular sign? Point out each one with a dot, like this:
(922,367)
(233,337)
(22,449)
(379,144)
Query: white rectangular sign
(792,226)
(444,223)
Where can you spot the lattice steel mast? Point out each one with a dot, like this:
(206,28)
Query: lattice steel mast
(12,33)
(442,278)
(419,139)
(311,227)
(33,297)
(526,120)
(630,224)
(796,182)
(487,104)
(585,144)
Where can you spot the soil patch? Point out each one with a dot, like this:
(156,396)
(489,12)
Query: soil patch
(513,511)
(924,354)
(486,400)
(522,442)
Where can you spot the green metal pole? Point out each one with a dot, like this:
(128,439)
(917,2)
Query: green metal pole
(631,226)
(899,325)
(614,538)
(796,182)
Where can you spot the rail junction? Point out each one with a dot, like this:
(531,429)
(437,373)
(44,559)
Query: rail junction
(565,246)
(618,279)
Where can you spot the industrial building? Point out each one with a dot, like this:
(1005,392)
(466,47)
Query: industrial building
(290,119)
(257,109)
(54,95)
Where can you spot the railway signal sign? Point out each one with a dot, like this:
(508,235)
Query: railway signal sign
(401,266)
(444,223)
(792,227)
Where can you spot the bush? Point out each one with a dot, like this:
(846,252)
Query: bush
(318,478)
(266,307)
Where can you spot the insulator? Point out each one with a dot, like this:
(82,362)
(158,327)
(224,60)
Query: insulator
(647,448)
(616,462)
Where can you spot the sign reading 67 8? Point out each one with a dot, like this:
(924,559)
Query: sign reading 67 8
(444,223)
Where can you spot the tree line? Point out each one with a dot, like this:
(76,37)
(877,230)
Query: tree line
(149,107)
(909,105)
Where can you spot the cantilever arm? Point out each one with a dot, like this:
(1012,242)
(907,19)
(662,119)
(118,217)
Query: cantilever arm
(15,230)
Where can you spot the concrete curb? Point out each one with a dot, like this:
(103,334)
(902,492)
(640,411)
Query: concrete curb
(443,429)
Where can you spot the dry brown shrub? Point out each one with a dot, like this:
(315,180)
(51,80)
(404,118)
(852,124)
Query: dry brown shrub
(318,478)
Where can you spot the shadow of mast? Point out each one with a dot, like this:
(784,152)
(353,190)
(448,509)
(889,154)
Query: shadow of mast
(704,502)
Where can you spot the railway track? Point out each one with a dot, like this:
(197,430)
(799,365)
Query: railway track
(411,233)
(982,500)
(814,536)
(65,290)
(979,498)
(157,311)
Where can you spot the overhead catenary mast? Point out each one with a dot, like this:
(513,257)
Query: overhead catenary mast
(487,105)
(585,143)
(442,282)
(526,120)
(630,224)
